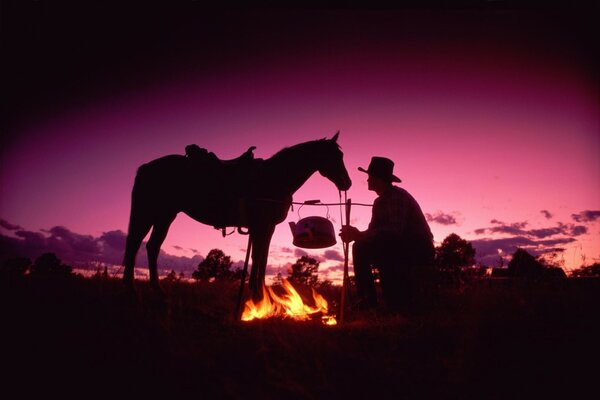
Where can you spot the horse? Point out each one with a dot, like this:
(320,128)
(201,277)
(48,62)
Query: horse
(247,193)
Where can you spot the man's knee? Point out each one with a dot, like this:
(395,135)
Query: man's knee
(361,250)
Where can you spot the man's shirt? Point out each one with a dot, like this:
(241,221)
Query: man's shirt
(397,213)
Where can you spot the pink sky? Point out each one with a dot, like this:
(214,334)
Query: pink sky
(498,135)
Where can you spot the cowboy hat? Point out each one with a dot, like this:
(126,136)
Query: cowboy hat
(381,167)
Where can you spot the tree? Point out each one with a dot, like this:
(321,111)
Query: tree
(14,267)
(454,253)
(171,277)
(587,271)
(216,265)
(304,271)
(524,264)
(50,264)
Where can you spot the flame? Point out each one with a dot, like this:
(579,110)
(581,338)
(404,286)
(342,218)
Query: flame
(288,305)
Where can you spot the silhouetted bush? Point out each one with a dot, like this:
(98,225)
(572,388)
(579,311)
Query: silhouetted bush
(587,271)
(451,257)
(216,266)
(305,271)
(525,265)
(48,264)
(15,267)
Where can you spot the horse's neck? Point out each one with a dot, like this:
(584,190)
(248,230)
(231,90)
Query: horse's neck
(289,171)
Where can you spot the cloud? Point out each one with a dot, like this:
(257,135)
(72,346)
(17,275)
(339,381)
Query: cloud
(586,216)
(178,248)
(516,229)
(547,214)
(79,250)
(441,218)
(488,251)
(333,255)
(72,245)
(561,229)
(538,241)
(337,267)
(300,253)
(7,225)
(515,225)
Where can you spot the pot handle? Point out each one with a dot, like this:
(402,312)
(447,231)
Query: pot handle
(313,203)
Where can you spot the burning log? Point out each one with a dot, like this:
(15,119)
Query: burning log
(287,305)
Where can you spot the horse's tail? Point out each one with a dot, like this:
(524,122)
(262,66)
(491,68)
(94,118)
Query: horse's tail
(139,216)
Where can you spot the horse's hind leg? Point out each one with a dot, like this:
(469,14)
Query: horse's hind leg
(137,232)
(159,233)
(261,239)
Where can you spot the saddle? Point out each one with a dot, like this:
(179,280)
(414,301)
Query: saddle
(239,174)
(201,155)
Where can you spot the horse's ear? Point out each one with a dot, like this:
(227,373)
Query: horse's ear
(335,137)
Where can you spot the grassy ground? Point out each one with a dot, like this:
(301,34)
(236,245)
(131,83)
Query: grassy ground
(491,340)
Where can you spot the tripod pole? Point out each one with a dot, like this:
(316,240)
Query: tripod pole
(346,246)
(237,315)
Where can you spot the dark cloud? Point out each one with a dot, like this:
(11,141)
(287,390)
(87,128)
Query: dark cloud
(507,229)
(516,229)
(586,216)
(74,246)
(81,250)
(515,225)
(547,214)
(561,229)
(178,247)
(7,225)
(32,240)
(556,242)
(299,253)
(333,255)
(441,218)
(338,267)
(488,251)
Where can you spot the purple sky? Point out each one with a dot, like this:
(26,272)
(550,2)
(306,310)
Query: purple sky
(490,114)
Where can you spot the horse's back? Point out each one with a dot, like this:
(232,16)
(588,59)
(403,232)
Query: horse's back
(163,177)
(167,164)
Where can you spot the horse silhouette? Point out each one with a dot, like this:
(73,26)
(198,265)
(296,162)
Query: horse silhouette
(249,193)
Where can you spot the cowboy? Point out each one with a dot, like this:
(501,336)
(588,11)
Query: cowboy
(398,242)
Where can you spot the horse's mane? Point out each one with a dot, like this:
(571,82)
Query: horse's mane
(300,149)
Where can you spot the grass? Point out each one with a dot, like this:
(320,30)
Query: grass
(495,339)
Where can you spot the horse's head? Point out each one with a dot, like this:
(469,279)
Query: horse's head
(331,163)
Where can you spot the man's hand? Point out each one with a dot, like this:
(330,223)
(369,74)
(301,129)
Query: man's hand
(349,233)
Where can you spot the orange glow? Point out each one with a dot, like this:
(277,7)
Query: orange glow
(288,305)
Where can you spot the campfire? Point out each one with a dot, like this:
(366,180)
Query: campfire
(287,305)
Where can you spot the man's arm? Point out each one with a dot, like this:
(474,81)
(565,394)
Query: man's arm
(349,233)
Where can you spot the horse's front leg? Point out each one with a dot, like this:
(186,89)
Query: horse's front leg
(157,237)
(261,239)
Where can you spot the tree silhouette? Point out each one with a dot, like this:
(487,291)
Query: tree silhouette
(216,265)
(587,271)
(455,252)
(14,267)
(50,264)
(304,271)
(171,277)
(524,264)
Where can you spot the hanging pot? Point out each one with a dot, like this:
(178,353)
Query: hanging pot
(313,233)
